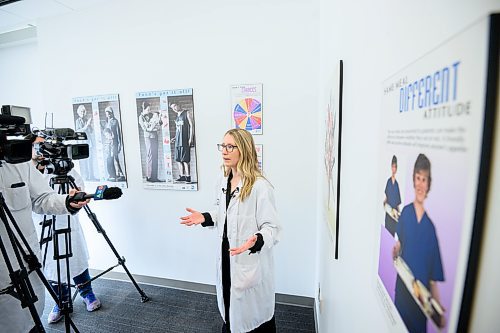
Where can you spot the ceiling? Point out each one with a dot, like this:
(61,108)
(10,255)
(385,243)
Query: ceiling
(24,13)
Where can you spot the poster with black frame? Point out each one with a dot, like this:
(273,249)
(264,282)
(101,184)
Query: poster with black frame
(436,139)
(100,118)
(332,153)
(167,139)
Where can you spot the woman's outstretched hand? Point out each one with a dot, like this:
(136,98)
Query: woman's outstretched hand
(192,219)
(248,244)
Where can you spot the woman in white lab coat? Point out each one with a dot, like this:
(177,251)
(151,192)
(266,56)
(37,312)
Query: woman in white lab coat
(247,225)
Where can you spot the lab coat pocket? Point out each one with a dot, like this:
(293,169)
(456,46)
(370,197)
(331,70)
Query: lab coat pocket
(17,198)
(247,273)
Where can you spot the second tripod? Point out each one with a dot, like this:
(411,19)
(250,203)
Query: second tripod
(67,182)
(61,238)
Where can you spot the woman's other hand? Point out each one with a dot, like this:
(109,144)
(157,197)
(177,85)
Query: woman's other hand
(248,244)
(192,219)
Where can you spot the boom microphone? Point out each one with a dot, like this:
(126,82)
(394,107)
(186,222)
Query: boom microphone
(102,192)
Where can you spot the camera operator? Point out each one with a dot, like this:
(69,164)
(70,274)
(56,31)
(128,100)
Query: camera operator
(78,263)
(24,190)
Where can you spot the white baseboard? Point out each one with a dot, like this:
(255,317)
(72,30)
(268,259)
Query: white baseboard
(307,302)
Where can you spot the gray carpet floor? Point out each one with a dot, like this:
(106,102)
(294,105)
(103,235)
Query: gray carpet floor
(169,310)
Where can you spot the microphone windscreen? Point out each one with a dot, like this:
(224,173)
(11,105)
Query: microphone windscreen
(112,193)
(11,120)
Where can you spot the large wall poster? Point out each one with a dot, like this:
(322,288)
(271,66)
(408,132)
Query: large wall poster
(246,107)
(434,164)
(333,126)
(167,139)
(100,118)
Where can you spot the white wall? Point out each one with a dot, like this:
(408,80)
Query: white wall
(125,47)
(375,39)
(20,77)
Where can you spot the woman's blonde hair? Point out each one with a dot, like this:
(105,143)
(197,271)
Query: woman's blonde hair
(248,166)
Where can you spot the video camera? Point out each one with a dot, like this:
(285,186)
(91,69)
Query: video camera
(14,122)
(55,153)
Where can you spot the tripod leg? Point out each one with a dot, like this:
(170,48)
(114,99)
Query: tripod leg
(121,260)
(22,285)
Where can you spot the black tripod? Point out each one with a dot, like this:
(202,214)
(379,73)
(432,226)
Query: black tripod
(21,287)
(56,235)
(68,182)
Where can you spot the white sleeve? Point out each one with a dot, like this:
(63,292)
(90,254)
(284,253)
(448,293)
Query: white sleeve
(43,199)
(267,215)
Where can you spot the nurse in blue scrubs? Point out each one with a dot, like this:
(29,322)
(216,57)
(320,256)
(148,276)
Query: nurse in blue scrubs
(419,247)
(392,198)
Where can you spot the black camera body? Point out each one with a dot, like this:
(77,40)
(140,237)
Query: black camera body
(55,153)
(12,126)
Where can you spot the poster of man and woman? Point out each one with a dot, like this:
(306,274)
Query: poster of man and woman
(431,152)
(167,139)
(165,121)
(99,117)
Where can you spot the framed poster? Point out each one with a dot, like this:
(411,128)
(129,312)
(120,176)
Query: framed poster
(433,175)
(100,118)
(167,139)
(246,107)
(333,127)
(260,154)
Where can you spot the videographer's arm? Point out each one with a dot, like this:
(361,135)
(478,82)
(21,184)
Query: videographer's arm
(43,199)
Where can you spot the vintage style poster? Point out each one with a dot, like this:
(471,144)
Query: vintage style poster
(434,159)
(333,127)
(167,139)
(100,118)
(246,107)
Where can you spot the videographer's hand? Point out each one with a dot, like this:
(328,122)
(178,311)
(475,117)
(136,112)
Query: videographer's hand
(77,204)
(192,219)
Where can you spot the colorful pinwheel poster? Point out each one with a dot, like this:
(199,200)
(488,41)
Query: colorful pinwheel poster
(246,101)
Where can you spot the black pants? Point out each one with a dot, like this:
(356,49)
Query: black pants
(226,279)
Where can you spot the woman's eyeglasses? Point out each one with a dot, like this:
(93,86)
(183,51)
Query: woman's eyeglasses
(228,148)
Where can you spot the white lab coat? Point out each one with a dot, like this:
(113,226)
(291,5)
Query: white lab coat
(79,262)
(252,276)
(34,195)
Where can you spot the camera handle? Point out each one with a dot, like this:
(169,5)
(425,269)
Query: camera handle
(21,287)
